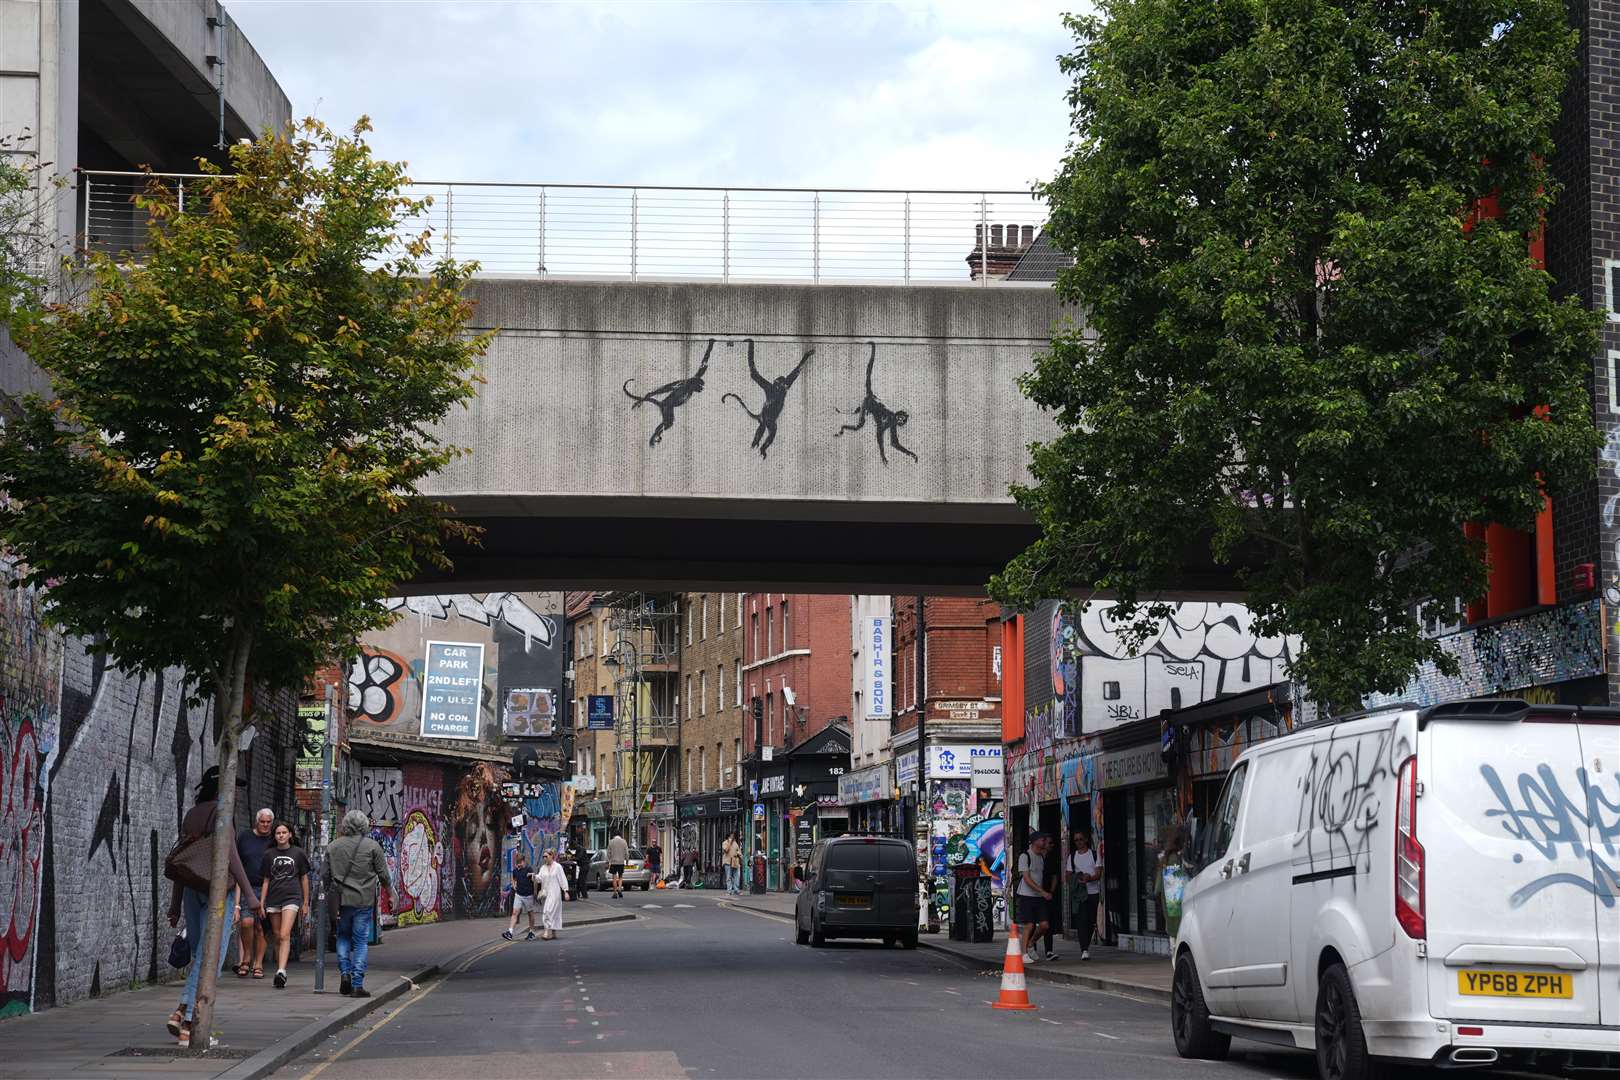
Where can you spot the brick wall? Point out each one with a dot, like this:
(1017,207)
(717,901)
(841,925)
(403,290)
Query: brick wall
(962,634)
(710,725)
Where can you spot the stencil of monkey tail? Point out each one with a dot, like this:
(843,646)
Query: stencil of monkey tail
(740,402)
(637,398)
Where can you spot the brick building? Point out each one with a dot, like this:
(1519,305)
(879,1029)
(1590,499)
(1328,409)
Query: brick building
(709,803)
(798,686)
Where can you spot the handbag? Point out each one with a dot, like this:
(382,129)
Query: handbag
(180,951)
(190,862)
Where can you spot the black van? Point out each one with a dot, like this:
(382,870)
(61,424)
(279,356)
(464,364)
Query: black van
(858,887)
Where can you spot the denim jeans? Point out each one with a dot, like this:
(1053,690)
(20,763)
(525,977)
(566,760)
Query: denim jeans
(353,938)
(733,879)
(195,906)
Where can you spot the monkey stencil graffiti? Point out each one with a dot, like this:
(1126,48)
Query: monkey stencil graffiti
(776,391)
(887,421)
(671,396)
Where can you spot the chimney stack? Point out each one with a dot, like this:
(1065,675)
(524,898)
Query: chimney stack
(1007,245)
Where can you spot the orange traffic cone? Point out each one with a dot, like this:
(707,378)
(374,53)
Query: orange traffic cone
(1014,992)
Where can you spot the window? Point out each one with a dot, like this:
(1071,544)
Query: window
(754,627)
(1224,825)
(720,619)
(689,695)
(739,610)
(705,616)
(719,687)
(689,624)
(689,771)
(736,754)
(787,639)
(703,770)
(703,693)
(719,766)
(736,678)
(770,633)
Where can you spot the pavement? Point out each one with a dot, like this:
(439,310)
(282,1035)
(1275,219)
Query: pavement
(257,1026)
(698,987)
(1116,971)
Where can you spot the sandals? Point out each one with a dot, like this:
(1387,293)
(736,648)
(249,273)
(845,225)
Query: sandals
(184,1039)
(258,973)
(176,1021)
(242,971)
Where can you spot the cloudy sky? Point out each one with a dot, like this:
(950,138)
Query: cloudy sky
(900,95)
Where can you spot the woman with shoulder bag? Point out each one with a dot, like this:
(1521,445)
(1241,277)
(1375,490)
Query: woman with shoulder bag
(198,826)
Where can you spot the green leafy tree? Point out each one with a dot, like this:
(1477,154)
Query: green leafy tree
(225,479)
(27,196)
(1317,342)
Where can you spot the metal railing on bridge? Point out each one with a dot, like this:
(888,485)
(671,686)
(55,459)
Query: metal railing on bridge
(816,235)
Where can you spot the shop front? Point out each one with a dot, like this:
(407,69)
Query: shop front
(1139,809)
(705,822)
(868,795)
(792,794)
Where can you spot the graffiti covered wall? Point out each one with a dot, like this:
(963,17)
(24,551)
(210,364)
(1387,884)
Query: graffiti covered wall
(96,769)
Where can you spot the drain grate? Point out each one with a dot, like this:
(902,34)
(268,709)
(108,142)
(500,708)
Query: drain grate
(223,1053)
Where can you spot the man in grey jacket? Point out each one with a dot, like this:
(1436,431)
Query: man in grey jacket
(355,866)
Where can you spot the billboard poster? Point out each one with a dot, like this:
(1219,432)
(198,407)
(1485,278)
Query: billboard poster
(529,713)
(452,682)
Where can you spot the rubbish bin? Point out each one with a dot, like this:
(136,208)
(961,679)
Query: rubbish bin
(972,905)
(757,884)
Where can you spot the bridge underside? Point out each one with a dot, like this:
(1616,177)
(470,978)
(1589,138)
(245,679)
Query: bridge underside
(789,547)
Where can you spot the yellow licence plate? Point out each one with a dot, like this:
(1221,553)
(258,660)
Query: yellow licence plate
(853,901)
(1519,984)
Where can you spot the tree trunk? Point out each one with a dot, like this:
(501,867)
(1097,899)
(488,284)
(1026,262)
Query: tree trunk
(230,690)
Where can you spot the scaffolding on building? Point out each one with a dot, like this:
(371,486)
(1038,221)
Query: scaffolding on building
(647,730)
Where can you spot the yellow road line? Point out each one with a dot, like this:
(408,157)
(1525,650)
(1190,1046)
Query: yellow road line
(487,950)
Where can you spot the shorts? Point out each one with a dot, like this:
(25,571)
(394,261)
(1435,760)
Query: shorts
(616,869)
(523,904)
(1029,910)
(291,905)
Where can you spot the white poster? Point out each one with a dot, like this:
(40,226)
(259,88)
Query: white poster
(878,684)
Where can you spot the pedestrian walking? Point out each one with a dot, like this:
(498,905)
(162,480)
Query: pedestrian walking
(655,861)
(1052,876)
(1031,895)
(356,868)
(1085,890)
(618,855)
(192,904)
(522,895)
(284,892)
(253,932)
(689,861)
(731,855)
(551,886)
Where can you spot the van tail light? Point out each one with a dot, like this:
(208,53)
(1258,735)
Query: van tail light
(1408,856)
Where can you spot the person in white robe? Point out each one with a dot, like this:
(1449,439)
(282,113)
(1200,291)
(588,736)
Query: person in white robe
(551,885)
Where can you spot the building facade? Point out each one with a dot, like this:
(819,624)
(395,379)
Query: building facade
(796,673)
(709,805)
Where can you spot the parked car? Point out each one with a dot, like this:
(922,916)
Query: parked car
(1419,885)
(858,887)
(637,875)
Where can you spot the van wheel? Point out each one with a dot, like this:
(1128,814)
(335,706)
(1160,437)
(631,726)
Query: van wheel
(1189,1016)
(1341,1046)
(908,940)
(818,940)
(801,936)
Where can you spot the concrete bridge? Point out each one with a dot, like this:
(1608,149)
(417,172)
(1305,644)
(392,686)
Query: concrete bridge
(813,437)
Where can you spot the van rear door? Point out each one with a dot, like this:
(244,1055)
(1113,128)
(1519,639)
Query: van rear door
(1510,902)
(869,882)
(1600,742)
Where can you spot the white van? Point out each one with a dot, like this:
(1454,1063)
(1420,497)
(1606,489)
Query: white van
(1424,885)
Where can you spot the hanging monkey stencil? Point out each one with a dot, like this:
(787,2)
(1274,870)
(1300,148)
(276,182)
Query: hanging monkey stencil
(776,391)
(674,395)
(887,421)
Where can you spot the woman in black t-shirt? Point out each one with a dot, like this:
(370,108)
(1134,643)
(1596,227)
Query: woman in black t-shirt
(285,892)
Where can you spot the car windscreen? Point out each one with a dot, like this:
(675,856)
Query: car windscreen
(864,857)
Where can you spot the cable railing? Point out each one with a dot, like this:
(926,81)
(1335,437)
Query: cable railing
(704,233)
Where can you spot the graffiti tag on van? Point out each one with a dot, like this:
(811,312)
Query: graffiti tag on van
(1341,795)
(1547,817)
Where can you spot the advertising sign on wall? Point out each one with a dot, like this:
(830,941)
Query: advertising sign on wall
(879,704)
(599,712)
(529,713)
(452,683)
(865,786)
(956,762)
(308,767)
(1138,765)
(905,768)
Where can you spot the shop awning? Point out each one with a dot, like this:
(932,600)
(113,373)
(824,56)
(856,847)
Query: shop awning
(1275,698)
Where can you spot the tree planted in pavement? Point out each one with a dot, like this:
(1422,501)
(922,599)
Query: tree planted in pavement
(225,476)
(1318,345)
